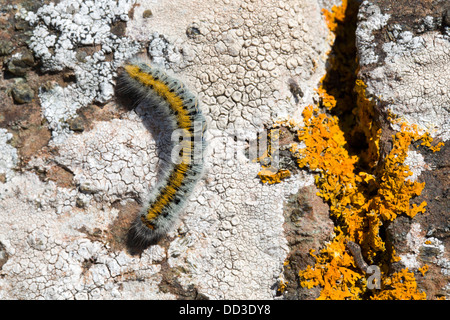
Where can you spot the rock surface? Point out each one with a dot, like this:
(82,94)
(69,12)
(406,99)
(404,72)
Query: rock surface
(405,54)
(75,163)
(77,188)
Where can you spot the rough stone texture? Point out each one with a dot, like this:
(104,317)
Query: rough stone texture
(75,195)
(239,59)
(405,67)
(74,165)
(53,258)
(404,57)
(308,226)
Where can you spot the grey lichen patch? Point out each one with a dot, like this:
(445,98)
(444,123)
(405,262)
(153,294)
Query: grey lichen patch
(411,80)
(245,63)
(47,258)
(419,92)
(114,160)
(162,52)
(414,81)
(424,249)
(416,164)
(59,30)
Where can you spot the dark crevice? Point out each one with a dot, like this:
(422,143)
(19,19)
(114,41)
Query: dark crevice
(340,79)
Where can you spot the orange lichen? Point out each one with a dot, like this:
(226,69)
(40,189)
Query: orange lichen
(425,137)
(358,210)
(423,269)
(365,114)
(272,175)
(282,286)
(327,100)
(363,194)
(394,190)
(334,271)
(340,144)
(426,141)
(336,15)
(326,154)
(401,285)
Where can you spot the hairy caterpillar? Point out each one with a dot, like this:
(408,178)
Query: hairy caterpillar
(173,101)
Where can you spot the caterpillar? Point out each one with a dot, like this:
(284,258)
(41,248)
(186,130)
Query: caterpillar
(172,100)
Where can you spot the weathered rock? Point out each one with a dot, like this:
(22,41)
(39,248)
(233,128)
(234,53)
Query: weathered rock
(237,57)
(20,63)
(236,232)
(307,226)
(22,93)
(3,255)
(76,124)
(6,47)
(407,59)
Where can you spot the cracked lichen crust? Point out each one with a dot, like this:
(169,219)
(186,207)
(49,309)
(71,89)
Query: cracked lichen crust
(51,258)
(370,19)
(230,244)
(115,160)
(423,248)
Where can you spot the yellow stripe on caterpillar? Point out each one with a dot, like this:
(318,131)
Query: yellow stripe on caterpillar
(175,180)
(175,102)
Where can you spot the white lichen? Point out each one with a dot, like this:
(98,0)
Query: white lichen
(413,77)
(370,19)
(60,33)
(416,164)
(240,63)
(8,155)
(423,249)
